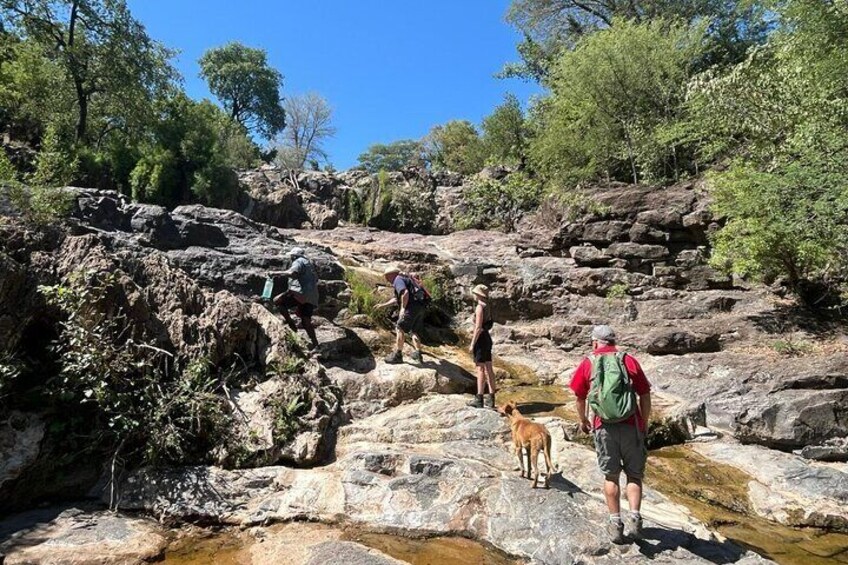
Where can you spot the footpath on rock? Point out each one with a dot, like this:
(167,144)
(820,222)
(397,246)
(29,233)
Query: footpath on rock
(747,440)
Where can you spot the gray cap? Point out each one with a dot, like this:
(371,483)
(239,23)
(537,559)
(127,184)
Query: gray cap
(297,252)
(603,333)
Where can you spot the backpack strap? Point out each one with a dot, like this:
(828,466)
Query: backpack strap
(591,358)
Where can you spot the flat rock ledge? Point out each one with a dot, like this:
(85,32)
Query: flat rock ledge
(432,467)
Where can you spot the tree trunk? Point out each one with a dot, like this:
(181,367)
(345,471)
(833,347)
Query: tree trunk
(82,121)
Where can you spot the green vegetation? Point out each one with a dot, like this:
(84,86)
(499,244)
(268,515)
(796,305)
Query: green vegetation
(551,27)
(505,134)
(617,291)
(395,156)
(286,410)
(249,89)
(85,86)
(616,106)
(456,146)
(792,347)
(364,299)
(39,205)
(499,203)
(784,193)
(135,399)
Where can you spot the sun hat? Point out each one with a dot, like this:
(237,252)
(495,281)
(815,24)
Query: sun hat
(480,290)
(603,333)
(391,270)
(297,252)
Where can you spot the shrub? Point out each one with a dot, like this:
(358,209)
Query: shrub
(136,399)
(438,284)
(40,205)
(617,291)
(364,299)
(792,347)
(412,211)
(491,203)
(8,173)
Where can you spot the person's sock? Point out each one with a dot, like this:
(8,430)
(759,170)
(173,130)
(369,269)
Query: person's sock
(615,518)
(635,514)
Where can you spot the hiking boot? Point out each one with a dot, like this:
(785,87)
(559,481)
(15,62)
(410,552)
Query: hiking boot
(476,402)
(489,401)
(416,356)
(634,526)
(394,357)
(616,532)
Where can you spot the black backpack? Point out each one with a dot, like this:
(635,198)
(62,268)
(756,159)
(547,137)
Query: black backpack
(416,290)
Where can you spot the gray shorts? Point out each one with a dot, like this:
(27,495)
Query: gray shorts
(621,446)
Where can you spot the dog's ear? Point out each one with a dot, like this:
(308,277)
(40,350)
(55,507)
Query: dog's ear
(507,408)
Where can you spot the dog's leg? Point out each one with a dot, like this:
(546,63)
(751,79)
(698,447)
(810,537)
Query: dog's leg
(534,459)
(548,464)
(519,452)
(529,466)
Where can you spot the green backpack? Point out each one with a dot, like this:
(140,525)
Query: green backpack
(611,395)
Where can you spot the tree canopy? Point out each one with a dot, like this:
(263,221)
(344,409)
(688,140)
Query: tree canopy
(102,51)
(394,156)
(247,87)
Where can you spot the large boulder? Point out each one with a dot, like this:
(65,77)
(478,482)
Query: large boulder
(436,467)
(82,538)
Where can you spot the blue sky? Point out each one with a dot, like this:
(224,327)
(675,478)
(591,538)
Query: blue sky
(391,69)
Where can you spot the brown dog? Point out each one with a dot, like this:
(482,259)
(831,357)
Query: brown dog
(530,436)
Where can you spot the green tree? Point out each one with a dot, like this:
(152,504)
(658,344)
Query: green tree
(394,156)
(310,124)
(193,157)
(106,54)
(456,146)
(552,26)
(247,86)
(505,134)
(780,119)
(616,105)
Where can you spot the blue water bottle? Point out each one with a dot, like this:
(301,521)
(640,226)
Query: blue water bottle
(268,291)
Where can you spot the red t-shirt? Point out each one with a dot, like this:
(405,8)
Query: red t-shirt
(582,380)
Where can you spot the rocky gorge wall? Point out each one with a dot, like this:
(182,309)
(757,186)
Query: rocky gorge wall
(391,447)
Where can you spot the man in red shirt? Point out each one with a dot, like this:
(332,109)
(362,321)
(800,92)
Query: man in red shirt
(618,445)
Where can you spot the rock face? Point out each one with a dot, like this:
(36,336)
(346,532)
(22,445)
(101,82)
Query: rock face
(181,283)
(82,538)
(433,466)
(787,489)
(401,452)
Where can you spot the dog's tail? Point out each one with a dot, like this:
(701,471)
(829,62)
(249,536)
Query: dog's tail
(547,450)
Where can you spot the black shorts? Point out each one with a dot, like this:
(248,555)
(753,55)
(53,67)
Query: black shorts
(412,321)
(303,309)
(483,348)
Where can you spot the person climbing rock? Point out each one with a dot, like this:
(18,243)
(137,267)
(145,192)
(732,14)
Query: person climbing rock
(302,294)
(613,386)
(410,299)
(481,349)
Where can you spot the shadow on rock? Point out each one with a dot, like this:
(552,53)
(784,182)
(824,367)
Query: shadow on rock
(533,408)
(560,483)
(660,540)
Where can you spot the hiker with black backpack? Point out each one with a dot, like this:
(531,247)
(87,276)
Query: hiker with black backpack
(301,294)
(481,349)
(613,386)
(411,298)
